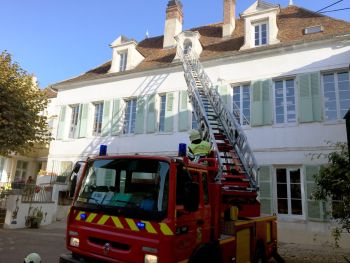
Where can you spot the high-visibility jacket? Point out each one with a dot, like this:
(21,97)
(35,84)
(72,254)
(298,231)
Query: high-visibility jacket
(201,149)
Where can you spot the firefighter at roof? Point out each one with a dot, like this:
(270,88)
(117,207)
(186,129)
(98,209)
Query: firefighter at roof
(198,148)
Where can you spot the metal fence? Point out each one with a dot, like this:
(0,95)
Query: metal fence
(32,193)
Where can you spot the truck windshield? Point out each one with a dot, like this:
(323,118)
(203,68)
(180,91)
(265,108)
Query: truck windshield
(135,188)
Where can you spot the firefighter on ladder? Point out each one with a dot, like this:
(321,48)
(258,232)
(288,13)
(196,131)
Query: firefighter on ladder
(198,148)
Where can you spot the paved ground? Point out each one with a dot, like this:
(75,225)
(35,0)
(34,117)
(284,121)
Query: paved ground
(49,242)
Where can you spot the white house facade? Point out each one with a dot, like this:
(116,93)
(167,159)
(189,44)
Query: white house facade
(287,70)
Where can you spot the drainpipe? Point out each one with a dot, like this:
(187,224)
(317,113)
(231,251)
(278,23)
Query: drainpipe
(347,120)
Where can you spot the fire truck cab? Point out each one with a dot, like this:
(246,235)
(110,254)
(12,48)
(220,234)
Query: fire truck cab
(153,209)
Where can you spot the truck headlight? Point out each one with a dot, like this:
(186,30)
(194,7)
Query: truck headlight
(151,258)
(74,242)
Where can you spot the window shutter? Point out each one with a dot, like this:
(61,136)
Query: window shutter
(266,87)
(2,164)
(140,109)
(265,193)
(105,118)
(169,113)
(257,104)
(117,115)
(84,111)
(61,123)
(151,114)
(309,97)
(183,111)
(315,209)
(224,92)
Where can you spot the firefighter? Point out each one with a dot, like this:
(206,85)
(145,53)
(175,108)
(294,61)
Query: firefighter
(198,148)
(32,258)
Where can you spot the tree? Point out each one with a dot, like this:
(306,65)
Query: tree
(333,182)
(22,125)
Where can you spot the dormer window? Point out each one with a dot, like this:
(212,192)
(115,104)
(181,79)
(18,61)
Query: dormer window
(123,61)
(261,34)
(313,30)
(187,46)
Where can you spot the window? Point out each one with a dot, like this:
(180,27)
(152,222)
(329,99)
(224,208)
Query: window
(187,46)
(261,34)
(123,61)
(241,104)
(289,196)
(285,111)
(130,117)
(73,129)
(336,95)
(97,128)
(162,113)
(313,29)
(21,171)
(194,121)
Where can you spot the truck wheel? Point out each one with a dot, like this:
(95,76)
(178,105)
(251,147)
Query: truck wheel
(207,253)
(260,255)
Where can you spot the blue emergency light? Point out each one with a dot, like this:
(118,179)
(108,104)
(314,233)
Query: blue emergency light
(182,149)
(141,225)
(103,150)
(83,217)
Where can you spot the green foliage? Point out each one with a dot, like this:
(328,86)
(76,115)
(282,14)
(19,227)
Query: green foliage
(333,182)
(21,102)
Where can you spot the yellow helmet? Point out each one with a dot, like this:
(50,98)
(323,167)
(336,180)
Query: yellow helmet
(195,135)
(33,258)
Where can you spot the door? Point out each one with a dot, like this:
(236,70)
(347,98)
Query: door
(289,188)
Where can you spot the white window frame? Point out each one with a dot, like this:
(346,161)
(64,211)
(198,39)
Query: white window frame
(130,121)
(285,104)
(74,120)
(242,121)
(259,25)
(303,197)
(98,117)
(162,110)
(335,73)
(123,56)
(21,170)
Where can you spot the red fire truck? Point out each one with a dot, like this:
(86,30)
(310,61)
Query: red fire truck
(151,209)
(157,209)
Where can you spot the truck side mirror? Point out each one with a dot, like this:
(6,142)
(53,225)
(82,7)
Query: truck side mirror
(191,200)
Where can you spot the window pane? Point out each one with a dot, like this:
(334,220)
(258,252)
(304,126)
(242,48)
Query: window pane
(282,206)
(282,190)
(297,207)
(295,191)
(295,176)
(281,175)
(194,121)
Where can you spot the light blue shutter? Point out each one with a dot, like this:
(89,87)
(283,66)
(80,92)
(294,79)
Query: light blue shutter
(265,193)
(257,104)
(315,209)
(117,115)
(106,123)
(224,92)
(183,111)
(61,123)
(151,114)
(140,110)
(84,109)
(266,87)
(169,113)
(309,97)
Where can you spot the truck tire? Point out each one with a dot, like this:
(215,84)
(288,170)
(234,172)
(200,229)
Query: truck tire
(259,254)
(207,253)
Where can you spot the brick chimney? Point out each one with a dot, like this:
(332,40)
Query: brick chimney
(229,17)
(173,23)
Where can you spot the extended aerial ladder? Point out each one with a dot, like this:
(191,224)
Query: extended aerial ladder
(238,168)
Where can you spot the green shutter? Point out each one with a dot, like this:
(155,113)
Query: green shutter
(224,92)
(265,192)
(117,115)
(61,123)
(183,111)
(169,113)
(84,112)
(315,209)
(140,109)
(257,104)
(309,97)
(105,118)
(266,87)
(151,114)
